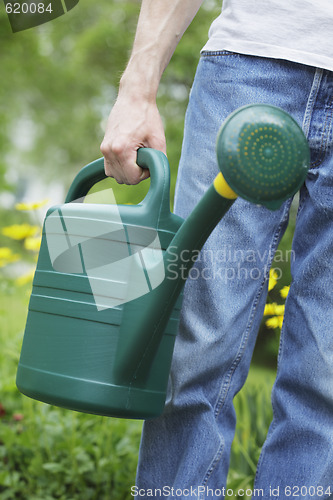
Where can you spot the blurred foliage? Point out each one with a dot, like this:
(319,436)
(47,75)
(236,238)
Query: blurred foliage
(60,81)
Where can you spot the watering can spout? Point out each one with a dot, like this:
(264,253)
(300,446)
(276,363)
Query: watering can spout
(263,157)
(135,354)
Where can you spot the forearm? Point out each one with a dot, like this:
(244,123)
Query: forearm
(160,27)
(134,121)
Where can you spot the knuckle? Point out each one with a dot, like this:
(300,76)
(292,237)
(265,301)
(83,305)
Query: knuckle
(105,148)
(113,149)
(118,148)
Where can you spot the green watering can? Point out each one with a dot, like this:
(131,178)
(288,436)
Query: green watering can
(105,304)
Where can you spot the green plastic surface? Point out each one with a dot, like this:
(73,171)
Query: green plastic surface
(116,361)
(263,154)
(70,352)
(151,317)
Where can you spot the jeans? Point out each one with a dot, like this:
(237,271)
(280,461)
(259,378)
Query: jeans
(188,447)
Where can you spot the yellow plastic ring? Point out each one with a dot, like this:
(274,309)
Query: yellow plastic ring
(222,188)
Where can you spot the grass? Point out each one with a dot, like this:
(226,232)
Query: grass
(47,453)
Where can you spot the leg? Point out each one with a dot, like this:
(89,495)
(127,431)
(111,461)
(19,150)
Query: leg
(298,451)
(189,445)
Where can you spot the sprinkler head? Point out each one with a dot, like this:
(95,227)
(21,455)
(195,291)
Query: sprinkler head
(263,154)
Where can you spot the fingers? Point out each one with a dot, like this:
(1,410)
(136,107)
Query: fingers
(120,163)
(128,129)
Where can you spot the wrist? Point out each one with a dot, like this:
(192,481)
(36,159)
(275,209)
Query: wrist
(140,80)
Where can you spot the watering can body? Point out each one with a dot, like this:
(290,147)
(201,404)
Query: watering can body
(105,304)
(69,355)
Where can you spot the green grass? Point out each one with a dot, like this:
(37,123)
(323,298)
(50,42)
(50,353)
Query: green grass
(13,306)
(48,453)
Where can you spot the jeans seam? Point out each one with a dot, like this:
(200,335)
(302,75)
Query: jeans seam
(308,116)
(225,386)
(273,423)
(227,381)
(302,198)
(311,101)
(271,429)
(217,457)
(324,139)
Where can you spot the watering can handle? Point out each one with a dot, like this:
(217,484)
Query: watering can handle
(157,200)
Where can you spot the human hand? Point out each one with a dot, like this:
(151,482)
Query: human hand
(133,123)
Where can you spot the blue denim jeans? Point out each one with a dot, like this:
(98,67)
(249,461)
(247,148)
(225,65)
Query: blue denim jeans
(188,447)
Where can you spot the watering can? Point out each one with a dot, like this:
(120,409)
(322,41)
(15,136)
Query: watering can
(105,304)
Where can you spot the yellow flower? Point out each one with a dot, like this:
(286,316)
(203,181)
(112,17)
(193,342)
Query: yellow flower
(26,278)
(274,309)
(274,322)
(273,277)
(284,291)
(5,252)
(20,231)
(32,243)
(31,206)
(7,256)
